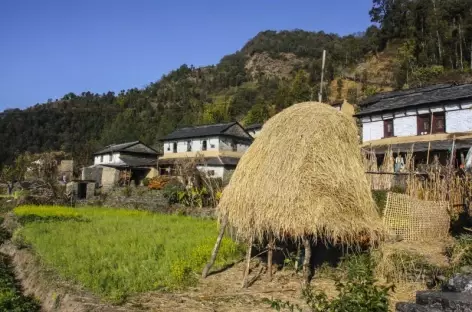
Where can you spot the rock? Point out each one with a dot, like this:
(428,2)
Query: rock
(460,283)
(466,269)
(445,301)
(413,307)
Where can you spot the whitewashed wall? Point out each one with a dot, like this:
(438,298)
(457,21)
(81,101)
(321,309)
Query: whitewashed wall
(225,145)
(219,171)
(107,159)
(459,121)
(212,145)
(405,126)
(372,131)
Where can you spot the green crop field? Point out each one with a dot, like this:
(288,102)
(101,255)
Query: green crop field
(117,252)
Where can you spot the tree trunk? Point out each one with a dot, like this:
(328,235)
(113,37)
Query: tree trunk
(10,188)
(270,254)
(307,261)
(248,263)
(214,253)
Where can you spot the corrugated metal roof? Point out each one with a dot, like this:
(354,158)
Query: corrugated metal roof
(437,94)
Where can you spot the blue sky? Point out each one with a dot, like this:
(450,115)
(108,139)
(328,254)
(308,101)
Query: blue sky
(51,47)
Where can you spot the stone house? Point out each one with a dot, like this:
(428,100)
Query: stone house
(217,147)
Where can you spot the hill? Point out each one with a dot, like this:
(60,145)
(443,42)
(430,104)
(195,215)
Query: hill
(412,43)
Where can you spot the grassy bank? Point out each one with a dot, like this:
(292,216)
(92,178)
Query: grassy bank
(116,252)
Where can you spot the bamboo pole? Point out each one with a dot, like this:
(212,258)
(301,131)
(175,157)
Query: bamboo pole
(307,261)
(216,248)
(270,255)
(248,263)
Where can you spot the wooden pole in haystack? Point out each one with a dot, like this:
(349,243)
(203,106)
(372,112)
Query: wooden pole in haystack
(270,251)
(216,248)
(307,261)
(248,263)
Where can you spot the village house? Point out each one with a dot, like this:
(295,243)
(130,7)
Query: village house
(122,163)
(254,129)
(437,119)
(217,147)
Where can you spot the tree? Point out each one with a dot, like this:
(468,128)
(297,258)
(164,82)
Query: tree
(300,90)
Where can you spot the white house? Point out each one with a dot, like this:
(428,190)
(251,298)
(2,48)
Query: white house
(135,159)
(219,147)
(431,118)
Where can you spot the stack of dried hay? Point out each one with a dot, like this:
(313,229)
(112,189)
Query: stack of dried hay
(303,176)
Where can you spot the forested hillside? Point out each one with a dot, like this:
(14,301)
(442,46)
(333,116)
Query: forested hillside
(410,43)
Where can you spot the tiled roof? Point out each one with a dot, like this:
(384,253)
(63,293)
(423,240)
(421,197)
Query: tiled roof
(437,94)
(124,146)
(254,126)
(200,131)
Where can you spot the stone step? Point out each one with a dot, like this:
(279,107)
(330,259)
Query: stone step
(445,301)
(413,307)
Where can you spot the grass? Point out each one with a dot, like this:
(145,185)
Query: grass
(117,252)
(11,298)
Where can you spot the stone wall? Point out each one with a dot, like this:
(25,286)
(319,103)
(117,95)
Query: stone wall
(143,199)
(110,177)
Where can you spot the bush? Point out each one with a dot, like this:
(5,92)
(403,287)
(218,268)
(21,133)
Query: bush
(171,192)
(146,181)
(359,293)
(127,191)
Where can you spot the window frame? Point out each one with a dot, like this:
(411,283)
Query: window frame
(204,145)
(174,147)
(189,145)
(420,119)
(386,122)
(442,116)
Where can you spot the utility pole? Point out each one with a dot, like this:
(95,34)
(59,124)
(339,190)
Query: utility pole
(320,95)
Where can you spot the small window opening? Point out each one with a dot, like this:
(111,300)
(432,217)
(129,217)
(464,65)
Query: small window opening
(174,147)
(189,146)
(204,145)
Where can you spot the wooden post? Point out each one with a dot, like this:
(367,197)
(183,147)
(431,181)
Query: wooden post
(214,253)
(430,133)
(320,95)
(270,251)
(248,263)
(307,261)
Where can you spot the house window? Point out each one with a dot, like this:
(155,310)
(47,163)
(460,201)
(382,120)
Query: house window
(174,147)
(234,146)
(388,128)
(424,124)
(211,172)
(101,158)
(439,123)
(189,146)
(204,145)
(111,157)
(168,147)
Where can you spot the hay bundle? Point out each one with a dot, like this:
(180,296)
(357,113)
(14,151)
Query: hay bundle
(302,176)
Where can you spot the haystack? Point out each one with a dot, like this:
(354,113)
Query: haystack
(303,177)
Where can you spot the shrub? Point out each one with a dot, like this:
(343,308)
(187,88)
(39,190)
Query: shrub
(146,181)
(127,191)
(171,191)
(358,293)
